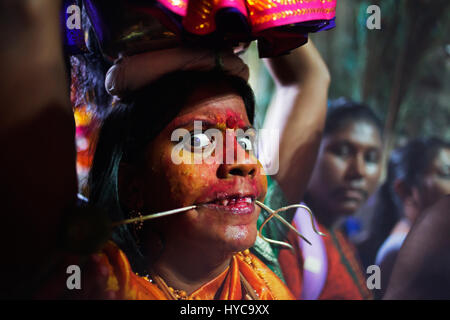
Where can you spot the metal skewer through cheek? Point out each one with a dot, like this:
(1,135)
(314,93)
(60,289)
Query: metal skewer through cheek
(274,213)
(153,216)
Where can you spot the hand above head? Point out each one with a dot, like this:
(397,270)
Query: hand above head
(133,72)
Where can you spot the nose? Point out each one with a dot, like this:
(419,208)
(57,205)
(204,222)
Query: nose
(356,168)
(236,161)
(242,169)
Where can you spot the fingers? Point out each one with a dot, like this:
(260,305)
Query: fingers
(234,65)
(230,63)
(134,72)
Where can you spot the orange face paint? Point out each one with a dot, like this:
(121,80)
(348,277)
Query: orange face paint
(225,193)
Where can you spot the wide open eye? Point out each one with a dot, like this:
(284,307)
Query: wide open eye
(198,142)
(245,142)
(372,156)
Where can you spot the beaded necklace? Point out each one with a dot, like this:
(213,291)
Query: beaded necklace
(177,294)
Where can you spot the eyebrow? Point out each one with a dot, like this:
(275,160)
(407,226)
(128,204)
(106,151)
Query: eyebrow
(350,143)
(205,123)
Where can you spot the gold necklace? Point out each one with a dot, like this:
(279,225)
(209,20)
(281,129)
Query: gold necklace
(177,294)
(171,293)
(247,257)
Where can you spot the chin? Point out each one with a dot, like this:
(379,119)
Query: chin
(240,238)
(348,209)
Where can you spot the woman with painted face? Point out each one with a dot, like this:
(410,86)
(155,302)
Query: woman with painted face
(418,178)
(346,173)
(192,255)
(197,254)
(191,252)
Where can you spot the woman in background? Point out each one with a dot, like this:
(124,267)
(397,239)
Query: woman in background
(419,176)
(346,173)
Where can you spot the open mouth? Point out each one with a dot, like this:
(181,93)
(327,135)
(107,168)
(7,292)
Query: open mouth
(236,204)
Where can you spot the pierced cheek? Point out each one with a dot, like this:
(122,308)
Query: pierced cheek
(188,182)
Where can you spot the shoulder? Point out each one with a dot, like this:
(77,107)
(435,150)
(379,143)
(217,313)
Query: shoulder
(126,284)
(390,246)
(423,263)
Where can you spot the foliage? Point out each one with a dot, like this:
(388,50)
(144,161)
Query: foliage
(402,70)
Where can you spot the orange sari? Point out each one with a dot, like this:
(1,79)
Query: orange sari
(245,269)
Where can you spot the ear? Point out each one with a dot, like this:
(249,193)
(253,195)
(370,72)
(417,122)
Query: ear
(416,195)
(406,194)
(130,191)
(402,190)
(410,199)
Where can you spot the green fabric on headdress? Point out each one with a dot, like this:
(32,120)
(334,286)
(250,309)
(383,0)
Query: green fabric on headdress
(274,229)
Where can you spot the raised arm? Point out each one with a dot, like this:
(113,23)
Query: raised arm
(298,110)
(37,158)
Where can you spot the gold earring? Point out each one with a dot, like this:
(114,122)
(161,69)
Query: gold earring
(138,223)
(139,219)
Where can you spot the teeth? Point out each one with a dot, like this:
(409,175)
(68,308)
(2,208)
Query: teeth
(233,201)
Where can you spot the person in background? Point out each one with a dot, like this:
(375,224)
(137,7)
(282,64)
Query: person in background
(37,140)
(419,175)
(345,175)
(422,267)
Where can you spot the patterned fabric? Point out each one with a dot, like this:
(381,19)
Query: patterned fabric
(227,286)
(279,25)
(345,280)
(200,15)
